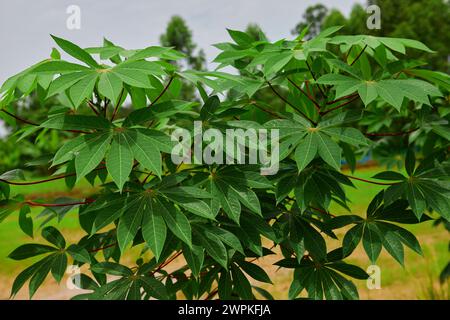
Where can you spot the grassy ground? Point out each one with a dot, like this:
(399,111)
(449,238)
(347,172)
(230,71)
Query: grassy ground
(418,280)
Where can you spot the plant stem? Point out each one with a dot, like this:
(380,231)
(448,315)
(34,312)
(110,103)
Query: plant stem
(290,104)
(323,211)
(103,248)
(117,105)
(19,119)
(92,106)
(163,91)
(359,55)
(316,105)
(373,182)
(339,106)
(273,114)
(52,205)
(342,98)
(35,124)
(165,263)
(212,294)
(43,181)
(315,79)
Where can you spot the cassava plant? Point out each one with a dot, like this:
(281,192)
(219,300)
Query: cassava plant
(199,229)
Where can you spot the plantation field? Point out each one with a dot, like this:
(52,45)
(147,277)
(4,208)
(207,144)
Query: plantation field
(418,280)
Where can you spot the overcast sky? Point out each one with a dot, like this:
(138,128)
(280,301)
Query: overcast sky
(25,25)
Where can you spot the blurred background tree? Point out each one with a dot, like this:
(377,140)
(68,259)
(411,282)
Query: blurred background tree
(179,36)
(22,153)
(312,18)
(424,20)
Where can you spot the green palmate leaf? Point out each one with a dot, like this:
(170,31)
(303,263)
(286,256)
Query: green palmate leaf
(393,245)
(192,204)
(66,81)
(250,179)
(332,291)
(27,274)
(133,78)
(176,221)
(76,52)
(406,237)
(375,204)
(16,174)
(145,150)
(148,67)
(39,276)
(228,200)
(440,202)
(109,208)
(398,214)
(368,92)
(119,161)
(83,89)
(154,230)
(254,271)
(52,235)
(158,52)
(389,175)
(214,247)
(194,258)
(30,250)
(112,268)
(210,107)
(129,224)
(241,284)
(229,239)
(348,269)
(306,151)
(314,242)
(348,289)
(25,221)
(154,288)
(390,94)
(297,240)
(371,242)
(351,239)
(91,155)
(59,266)
(78,253)
(241,38)
(76,122)
(301,277)
(315,286)
(138,97)
(344,85)
(70,148)
(57,66)
(351,136)
(329,151)
(110,86)
(416,199)
(248,198)
(158,138)
(410,162)
(276,63)
(225,286)
(186,191)
(392,91)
